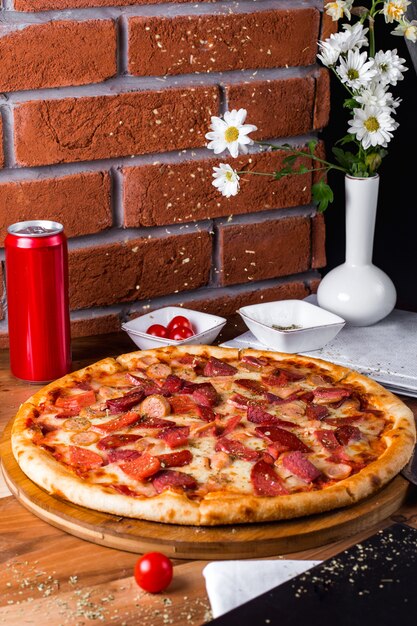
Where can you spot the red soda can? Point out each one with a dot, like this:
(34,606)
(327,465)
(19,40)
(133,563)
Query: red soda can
(37,300)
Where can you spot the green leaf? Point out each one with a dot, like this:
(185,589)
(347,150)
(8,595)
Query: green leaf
(350,103)
(290,160)
(322,195)
(312,145)
(344,157)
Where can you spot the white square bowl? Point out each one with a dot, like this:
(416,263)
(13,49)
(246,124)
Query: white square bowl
(271,324)
(206,327)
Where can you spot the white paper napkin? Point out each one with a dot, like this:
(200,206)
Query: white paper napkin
(232,583)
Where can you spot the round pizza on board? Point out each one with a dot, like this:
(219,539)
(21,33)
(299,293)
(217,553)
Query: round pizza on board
(203,435)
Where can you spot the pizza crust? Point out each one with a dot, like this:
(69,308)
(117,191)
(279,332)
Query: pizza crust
(217,507)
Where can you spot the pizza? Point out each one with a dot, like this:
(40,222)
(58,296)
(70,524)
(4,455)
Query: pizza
(204,435)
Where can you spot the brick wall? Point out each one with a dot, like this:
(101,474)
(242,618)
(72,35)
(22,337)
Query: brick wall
(104,108)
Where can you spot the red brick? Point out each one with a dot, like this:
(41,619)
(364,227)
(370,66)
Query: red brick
(1,291)
(314,285)
(265,249)
(47,5)
(58,54)
(1,143)
(95,324)
(81,202)
(279,108)
(138,269)
(77,129)
(160,194)
(318,236)
(207,43)
(328,26)
(322,100)
(227,305)
(4,339)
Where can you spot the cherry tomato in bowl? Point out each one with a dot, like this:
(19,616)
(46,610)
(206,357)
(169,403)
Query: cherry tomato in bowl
(180,332)
(179,320)
(157,330)
(153,572)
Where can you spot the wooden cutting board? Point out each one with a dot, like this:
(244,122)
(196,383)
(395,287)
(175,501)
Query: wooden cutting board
(190,542)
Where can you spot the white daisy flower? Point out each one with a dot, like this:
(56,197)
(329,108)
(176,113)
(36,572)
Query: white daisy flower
(377,95)
(329,54)
(390,67)
(355,70)
(351,38)
(355,36)
(230,133)
(226,180)
(372,126)
(406,29)
(394,10)
(338,9)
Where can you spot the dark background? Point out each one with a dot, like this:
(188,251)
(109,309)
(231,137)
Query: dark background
(395,245)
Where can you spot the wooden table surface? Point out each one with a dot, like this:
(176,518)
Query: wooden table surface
(49,577)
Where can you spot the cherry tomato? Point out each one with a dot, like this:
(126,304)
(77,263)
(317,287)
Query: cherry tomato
(178,320)
(180,332)
(153,572)
(157,330)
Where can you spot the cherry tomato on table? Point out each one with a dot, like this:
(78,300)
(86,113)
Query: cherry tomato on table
(180,332)
(153,572)
(179,320)
(157,330)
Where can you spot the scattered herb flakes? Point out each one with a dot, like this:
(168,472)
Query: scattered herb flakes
(290,327)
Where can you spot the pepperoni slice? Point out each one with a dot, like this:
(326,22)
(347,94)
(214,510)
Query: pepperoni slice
(147,386)
(281,438)
(231,424)
(266,481)
(116,441)
(327,438)
(154,422)
(182,405)
(257,415)
(290,375)
(254,362)
(236,449)
(205,395)
(76,401)
(175,436)
(119,423)
(125,403)
(84,459)
(175,459)
(172,384)
(141,467)
(274,399)
(117,455)
(251,385)
(216,367)
(296,463)
(242,402)
(167,479)
(206,413)
(344,434)
(316,411)
(331,394)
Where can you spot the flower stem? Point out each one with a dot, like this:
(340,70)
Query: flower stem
(256,173)
(302,154)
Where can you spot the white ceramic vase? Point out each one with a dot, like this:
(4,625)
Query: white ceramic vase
(357,290)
